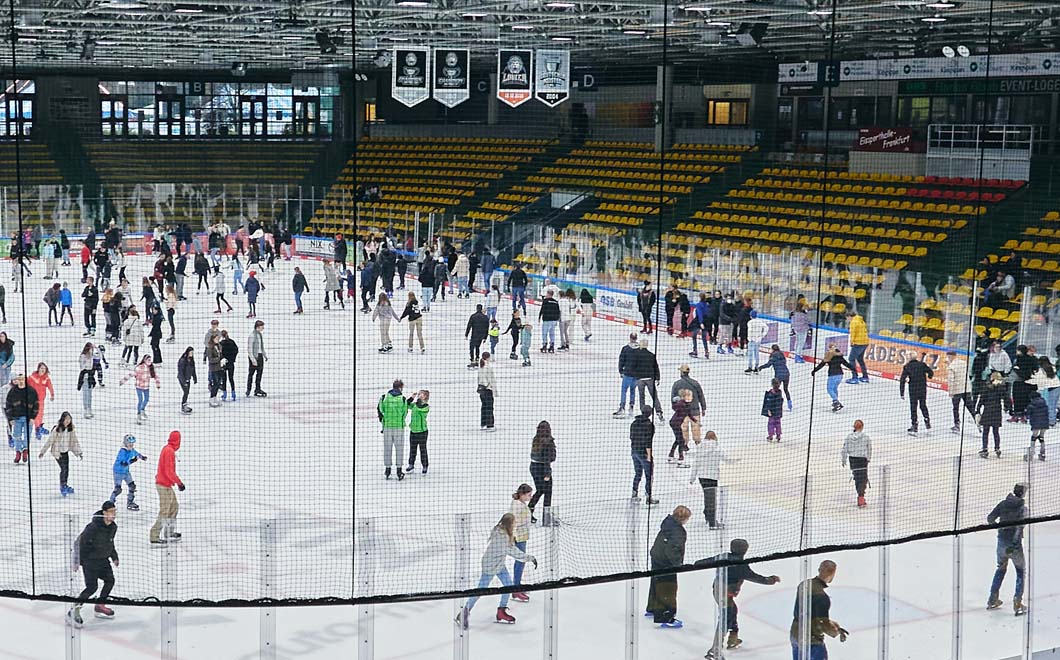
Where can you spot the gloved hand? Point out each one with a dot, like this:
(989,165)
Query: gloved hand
(843,634)
(533,560)
(180,487)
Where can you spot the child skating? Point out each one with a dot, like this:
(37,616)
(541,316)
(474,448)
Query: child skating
(62,442)
(773,409)
(127,455)
(501,544)
(1038,415)
(418,410)
(526,335)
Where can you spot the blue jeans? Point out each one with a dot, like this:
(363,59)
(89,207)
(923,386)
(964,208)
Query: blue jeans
(215,256)
(833,386)
(461,282)
(548,332)
(705,333)
(517,578)
(427,292)
(492,313)
(119,478)
(641,465)
(629,383)
(86,396)
(817,651)
(1004,554)
(142,397)
(1051,397)
(298,300)
(753,355)
(487,275)
(519,293)
(484,582)
(21,430)
(857,356)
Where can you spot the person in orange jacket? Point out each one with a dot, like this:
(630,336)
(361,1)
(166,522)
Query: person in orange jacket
(41,381)
(165,479)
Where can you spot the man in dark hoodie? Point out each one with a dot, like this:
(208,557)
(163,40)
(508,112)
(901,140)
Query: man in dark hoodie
(94,554)
(517,282)
(478,326)
(916,373)
(629,381)
(1009,547)
(549,317)
(646,370)
(641,435)
(667,552)
(734,577)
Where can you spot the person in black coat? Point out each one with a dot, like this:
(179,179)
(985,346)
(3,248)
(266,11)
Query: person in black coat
(299,285)
(549,316)
(916,374)
(156,320)
(340,252)
(186,376)
(91,297)
(368,278)
(517,282)
(667,552)
(202,269)
(95,554)
(646,305)
(427,280)
(387,262)
(1010,510)
(641,436)
(645,368)
(713,314)
(1026,366)
(1038,415)
(478,326)
(988,412)
(735,576)
(229,351)
(670,299)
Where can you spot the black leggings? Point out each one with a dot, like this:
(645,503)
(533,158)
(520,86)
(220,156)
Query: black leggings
(202,280)
(170,313)
(418,441)
(186,387)
(64,467)
(997,437)
(221,299)
(542,475)
(95,571)
(859,468)
(679,443)
(485,394)
(230,373)
(133,351)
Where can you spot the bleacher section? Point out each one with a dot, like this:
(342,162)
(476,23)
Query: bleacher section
(42,199)
(428,175)
(192,162)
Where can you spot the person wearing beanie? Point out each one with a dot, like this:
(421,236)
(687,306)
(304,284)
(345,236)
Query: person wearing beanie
(252,287)
(1010,510)
(735,576)
(165,479)
(857,447)
(127,455)
(94,552)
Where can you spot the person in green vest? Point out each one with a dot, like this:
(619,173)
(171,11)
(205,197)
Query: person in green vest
(418,429)
(393,408)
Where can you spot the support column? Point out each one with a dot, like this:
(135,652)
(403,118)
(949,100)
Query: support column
(958,551)
(267,615)
(550,646)
(73,633)
(169,612)
(462,575)
(632,646)
(365,564)
(492,103)
(664,86)
(884,613)
(805,572)
(1030,496)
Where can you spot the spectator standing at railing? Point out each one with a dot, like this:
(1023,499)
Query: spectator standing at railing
(646,300)
(387,261)
(859,343)
(340,251)
(517,281)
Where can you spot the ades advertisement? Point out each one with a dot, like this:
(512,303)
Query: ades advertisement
(886,358)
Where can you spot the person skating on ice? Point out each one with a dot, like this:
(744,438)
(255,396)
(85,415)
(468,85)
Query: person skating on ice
(163,531)
(517,281)
(487,391)
(526,336)
(859,343)
(415,316)
(299,285)
(857,448)
(779,364)
(86,378)
(800,331)
(773,410)
(333,286)
(21,408)
(127,455)
(514,326)
(1038,416)
(257,358)
(1006,513)
(384,313)
(229,351)
(144,373)
(988,412)
(521,534)
(132,333)
(494,334)
(219,290)
(699,401)
(646,299)
(549,315)
(186,376)
(645,368)
(499,547)
(41,381)
(418,410)
(812,591)
(171,302)
(667,552)
(476,332)
(1046,381)
(707,471)
(62,442)
(253,288)
(94,555)
(493,301)
(392,410)
(542,456)
(641,439)
(726,320)
(957,387)
(756,331)
(834,360)
(916,374)
(735,576)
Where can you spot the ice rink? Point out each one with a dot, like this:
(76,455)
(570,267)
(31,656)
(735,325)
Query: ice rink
(297,462)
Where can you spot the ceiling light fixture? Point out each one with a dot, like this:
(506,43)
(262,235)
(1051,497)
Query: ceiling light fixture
(963,51)
(522,27)
(562,39)
(633,32)
(188,9)
(947,51)
(940,4)
(292,38)
(559,5)
(719,23)
(699,7)
(933,19)
(123,4)
(820,12)
(474,14)
(413,3)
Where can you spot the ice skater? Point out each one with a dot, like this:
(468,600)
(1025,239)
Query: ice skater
(384,313)
(143,374)
(988,412)
(779,364)
(773,409)
(132,333)
(253,287)
(668,551)
(1038,415)
(681,423)
(94,556)
(526,336)
(392,410)
(299,285)
(857,448)
(186,376)
(86,380)
(21,408)
(1009,548)
(709,457)
(735,576)
(62,442)
(487,391)
(500,546)
(641,439)
(916,374)
(166,479)
(834,360)
(127,455)
(521,533)
(418,431)
(958,388)
(219,290)
(41,381)
(812,591)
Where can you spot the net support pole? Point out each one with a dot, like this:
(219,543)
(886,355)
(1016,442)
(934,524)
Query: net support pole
(169,612)
(805,571)
(956,622)
(267,615)
(550,646)
(365,612)
(1025,312)
(721,591)
(884,614)
(73,633)
(462,570)
(1027,650)
(632,645)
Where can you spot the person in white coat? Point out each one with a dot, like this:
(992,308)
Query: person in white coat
(493,301)
(1045,379)
(500,546)
(384,313)
(462,271)
(958,386)
(132,332)
(568,309)
(487,390)
(756,332)
(707,464)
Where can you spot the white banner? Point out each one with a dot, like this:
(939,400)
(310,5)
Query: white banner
(927,68)
(797,72)
(451,76)
(409,76)
(552,76)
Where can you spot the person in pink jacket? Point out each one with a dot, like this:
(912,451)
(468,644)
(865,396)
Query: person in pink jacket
(41,381)
(144,373)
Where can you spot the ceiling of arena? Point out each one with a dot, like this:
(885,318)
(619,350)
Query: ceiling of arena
(283,33)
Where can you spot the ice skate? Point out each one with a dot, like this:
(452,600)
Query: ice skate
(520,597)
(551,348)
(526,363)
(461,618)
(400,475)
(512,356)
(997,452)
(675,623)
(73,616)
(635,498)
(185,410)
(911,431)
(1041,454)
(733,641)
(649,500)
(994,603)
(386,473)
(1017,607)
(503,616)
(955,429)
(132,506)
(621,412)
(103,612)
(984,453)
(861,502)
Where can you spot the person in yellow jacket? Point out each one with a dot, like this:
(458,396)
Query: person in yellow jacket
(859,342)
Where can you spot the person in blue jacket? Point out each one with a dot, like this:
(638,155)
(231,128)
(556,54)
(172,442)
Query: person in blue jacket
(368,278)
(779,364)
(253,286)
(700,326)
(66,299)
(127,455)
(1038,415)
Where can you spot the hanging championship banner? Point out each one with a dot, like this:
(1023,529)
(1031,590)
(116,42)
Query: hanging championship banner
(409,83)
(552,77)
(451,76)
(515,84)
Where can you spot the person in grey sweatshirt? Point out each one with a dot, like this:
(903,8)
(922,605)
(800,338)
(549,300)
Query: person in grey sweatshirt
(686,382)
(500,546)
(857,447)
(256,355)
